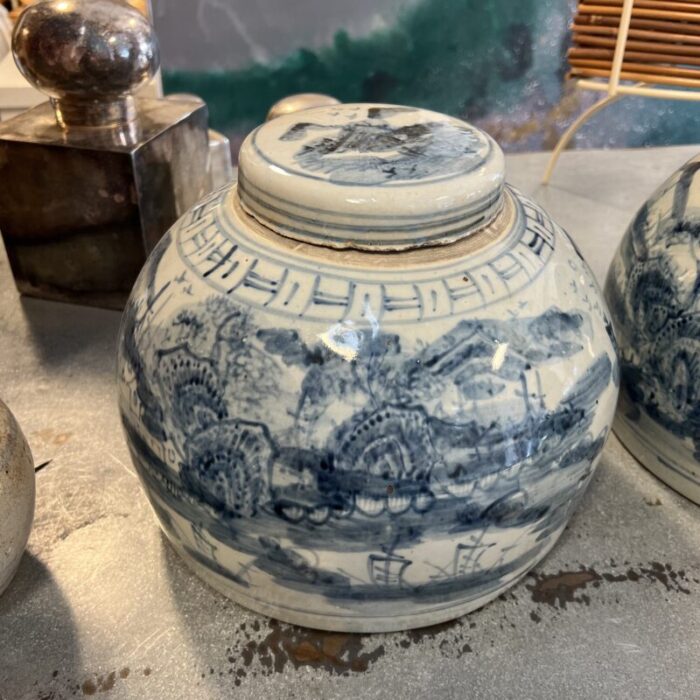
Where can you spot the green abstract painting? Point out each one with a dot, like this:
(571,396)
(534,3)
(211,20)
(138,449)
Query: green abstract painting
(498,63)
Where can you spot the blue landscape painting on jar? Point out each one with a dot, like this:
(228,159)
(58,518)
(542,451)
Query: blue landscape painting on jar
(653,289)
(362,438)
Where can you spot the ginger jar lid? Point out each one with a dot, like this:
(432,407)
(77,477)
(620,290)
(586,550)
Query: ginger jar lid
(371,177)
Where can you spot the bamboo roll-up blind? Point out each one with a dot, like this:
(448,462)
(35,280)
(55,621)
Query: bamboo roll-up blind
(662,47)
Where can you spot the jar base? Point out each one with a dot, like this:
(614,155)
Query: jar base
(355,623)
(642,439)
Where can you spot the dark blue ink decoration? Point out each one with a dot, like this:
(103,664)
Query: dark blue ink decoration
(654,308)
(227,466)
(374,151)
(392,473)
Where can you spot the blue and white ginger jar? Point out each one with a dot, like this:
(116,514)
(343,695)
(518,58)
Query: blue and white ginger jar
(653,289)
(366,386)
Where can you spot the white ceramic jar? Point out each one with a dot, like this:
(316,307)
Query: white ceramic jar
(365,387)
(16,495)
(653,288)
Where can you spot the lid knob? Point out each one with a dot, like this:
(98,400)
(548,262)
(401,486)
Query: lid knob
(299,101)
(372,177)
(88,56)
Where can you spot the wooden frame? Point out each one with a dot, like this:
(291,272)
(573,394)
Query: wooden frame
(641,83)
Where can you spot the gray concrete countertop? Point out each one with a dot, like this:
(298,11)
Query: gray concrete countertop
(102,606)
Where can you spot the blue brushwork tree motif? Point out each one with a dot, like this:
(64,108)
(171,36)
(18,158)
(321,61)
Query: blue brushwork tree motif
(347,435)
(393,449)
(350,362)
(227,466)
(482,358)
(248,371)
(372,150)
(151,408)
(385,458)
(657,309)
(194,388)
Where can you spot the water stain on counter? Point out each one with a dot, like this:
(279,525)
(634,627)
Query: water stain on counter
(106,682)
(569,586)
(452,637)
(421,633)
(99,683)
(334,652)
(561,588)
(263,647)
(62,687)
(52,437)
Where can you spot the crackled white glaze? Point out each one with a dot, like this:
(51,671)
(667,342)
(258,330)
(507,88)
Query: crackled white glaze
(653,291)
(355,439)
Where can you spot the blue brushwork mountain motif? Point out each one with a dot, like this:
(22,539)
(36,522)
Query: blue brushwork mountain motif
(373,151)
(655,302)
(348,442)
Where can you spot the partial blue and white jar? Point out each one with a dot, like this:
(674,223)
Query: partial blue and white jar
(366,386)
(653,289)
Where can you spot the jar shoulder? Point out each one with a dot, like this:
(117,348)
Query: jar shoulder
(209,252)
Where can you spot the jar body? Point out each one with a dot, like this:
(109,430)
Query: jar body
(17,494)
(652,290)
(364,442)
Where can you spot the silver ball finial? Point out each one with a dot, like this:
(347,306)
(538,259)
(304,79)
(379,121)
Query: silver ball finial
(89,56)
